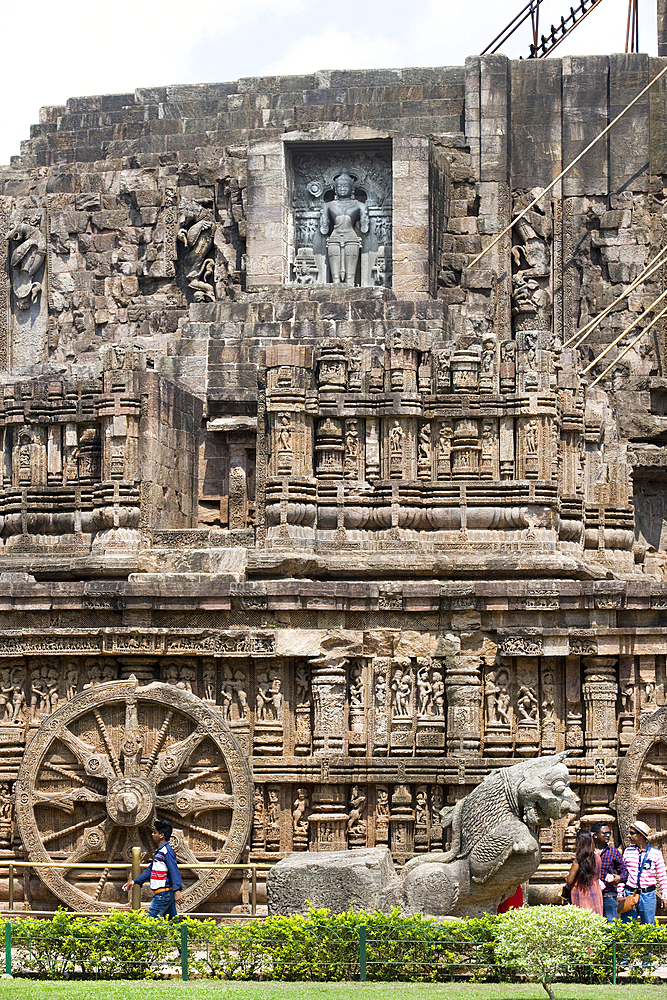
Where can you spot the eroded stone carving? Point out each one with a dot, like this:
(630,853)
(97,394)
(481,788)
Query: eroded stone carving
(27,258)
(495,844)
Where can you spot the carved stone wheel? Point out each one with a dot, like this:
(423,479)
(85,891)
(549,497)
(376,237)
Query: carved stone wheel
(99,769)
(642,780)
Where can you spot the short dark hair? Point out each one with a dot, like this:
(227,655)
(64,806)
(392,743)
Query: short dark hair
(164,827)
(597,826)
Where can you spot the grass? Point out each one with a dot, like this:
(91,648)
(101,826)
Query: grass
(22,989)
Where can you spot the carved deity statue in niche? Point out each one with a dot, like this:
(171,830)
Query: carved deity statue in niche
(27,258)
(196,231)
(339,221)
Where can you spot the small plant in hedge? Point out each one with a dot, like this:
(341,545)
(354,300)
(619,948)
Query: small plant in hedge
(541,941)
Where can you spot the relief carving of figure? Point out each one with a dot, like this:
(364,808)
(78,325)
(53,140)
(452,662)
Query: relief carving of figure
(6,691)
(497,699)
(27,258)
(356,687)
(351,449)
(424,688)
(355,823)
(196,230)
(401,685)
(532,433)
(301,803)
(302,685)
(285,433)
(396,440)
(438,695)
(421,807)
(527,704)
(339,221)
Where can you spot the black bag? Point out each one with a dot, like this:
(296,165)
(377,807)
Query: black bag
(565,894)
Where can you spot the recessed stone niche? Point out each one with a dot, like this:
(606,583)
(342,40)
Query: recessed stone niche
(340,219)
(339,206)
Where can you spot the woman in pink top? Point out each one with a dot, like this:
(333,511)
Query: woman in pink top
(584,875)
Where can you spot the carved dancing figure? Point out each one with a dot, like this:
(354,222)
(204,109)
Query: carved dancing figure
(355,823)
(531,437)
(421,808)
(338,220)
(27,258)
(6,690)
(301,685)
(425,444)
(196,232)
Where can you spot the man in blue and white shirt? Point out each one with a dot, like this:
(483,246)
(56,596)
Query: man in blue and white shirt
(165,878)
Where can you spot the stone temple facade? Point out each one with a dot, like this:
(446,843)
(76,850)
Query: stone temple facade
(305,523)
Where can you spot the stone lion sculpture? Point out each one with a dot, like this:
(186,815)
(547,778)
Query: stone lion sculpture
(494,849)
(494,841)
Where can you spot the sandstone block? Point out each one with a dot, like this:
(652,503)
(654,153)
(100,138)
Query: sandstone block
(336,880)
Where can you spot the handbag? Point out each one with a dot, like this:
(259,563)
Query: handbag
(626,903)
(565,894)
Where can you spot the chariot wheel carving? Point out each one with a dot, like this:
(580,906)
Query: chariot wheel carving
(642,780)
(99,769)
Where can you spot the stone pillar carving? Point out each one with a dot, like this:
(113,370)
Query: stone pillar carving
(328,821)
(600,692)
(550,704)
(402,822)
(421,819)
(647,687)
(303,733)
(238,488)
(381,814)
(466,449)
(574,735)
(381,672)
(372,448)
(356,736)
(328,682)
(463,685)
(444,450)
(465,371)
(258,842)
(628,691)
(404,357)
(329,449)
(508,366)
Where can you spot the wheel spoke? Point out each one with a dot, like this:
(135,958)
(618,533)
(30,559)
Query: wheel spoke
(658,804)
(190,802)
(222,837)
(195,776)
(96,764)
(159,739)
(108,744)
(66,773)
(67,800)
(170,761)
(92,820)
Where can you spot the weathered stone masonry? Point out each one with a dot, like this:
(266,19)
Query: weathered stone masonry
(368,535)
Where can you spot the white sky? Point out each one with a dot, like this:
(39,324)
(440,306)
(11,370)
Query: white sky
(53,51)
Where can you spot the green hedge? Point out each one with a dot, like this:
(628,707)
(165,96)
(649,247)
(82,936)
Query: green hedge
(317,947)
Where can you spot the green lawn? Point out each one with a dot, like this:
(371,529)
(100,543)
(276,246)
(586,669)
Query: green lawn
(34,990)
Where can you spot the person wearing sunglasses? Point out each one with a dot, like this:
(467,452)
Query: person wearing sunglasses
(646,871)
(613,868)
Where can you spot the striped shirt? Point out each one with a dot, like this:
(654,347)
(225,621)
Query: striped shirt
(653,871)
